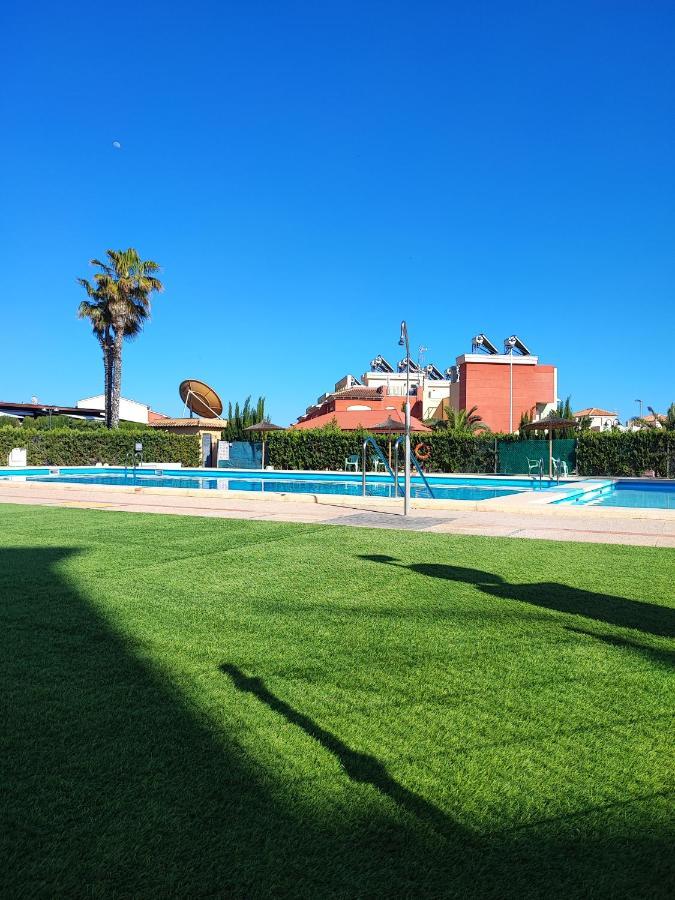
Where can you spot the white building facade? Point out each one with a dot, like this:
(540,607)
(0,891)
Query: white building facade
(130,410)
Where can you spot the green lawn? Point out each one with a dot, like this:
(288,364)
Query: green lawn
(198,708)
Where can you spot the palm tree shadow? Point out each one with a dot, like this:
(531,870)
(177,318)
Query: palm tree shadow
(359,767)
(649,618)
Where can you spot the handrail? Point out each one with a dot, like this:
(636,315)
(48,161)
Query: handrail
(417,466)
(373,442)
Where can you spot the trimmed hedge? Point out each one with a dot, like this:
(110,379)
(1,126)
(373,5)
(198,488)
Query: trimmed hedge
(626,452)
(326,450)
(73,447)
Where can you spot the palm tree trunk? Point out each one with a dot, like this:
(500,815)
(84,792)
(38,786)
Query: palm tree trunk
(116,378)
(108,367)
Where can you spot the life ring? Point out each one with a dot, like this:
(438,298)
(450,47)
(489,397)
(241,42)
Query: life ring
(423,451)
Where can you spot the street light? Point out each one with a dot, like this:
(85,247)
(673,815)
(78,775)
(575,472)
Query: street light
(640,402)
(404,342)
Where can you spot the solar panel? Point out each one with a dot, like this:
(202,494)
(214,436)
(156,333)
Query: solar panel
(380,364)
(409,364)
(433,373)
(482,342)
(514,343)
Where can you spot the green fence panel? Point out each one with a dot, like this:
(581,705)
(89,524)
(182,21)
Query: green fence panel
(513,455)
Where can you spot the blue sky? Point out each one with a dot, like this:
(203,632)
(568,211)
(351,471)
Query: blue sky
(307,174)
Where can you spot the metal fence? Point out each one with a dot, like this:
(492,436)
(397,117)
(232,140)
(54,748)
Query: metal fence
(513,456)
(240,455)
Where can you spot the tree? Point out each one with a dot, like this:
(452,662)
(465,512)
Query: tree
(669,423)
(239,418)
(96,310)
(462,421)
(118,306)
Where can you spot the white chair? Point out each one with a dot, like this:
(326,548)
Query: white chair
(352,462)
(17,457)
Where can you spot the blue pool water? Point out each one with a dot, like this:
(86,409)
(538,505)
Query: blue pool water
(631,494)
(445,488)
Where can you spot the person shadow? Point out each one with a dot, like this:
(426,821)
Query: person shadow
(359,767)
(649,618)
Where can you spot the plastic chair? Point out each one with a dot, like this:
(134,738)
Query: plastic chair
(377,465)
(535,465)
(352,462)
(560,468)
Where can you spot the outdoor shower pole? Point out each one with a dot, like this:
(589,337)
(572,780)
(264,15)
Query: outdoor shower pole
(403,341)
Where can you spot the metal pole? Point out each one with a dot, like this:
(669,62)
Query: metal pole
(363,469)
(511,392)
(406,477)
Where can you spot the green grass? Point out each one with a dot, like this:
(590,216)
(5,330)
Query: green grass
(198,707)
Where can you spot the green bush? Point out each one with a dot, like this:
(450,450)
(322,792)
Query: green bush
(626,452)
(83,447)
(327,449)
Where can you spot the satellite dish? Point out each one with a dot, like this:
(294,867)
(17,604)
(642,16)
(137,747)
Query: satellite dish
(200,398)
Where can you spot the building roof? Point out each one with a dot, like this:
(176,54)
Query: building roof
(593,411)
(44,409)
(186,422)
(156,416)
(357,392)
(354,419)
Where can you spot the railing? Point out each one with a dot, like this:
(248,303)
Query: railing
(135,457)
(379,453)
(415,461)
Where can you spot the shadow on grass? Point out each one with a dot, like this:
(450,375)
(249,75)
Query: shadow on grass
(114,786)
(649,618)
(655,654)
(359,767)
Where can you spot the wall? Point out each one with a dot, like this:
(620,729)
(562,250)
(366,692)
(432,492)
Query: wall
(486,385)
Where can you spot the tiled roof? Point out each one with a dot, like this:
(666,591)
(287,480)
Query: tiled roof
(182,423)
(593,411)
(358,393)
(352,420)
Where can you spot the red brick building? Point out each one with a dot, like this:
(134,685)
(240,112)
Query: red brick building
(358,407)
(504,386)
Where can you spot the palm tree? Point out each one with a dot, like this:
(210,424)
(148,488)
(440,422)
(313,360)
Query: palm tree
(463,421)
(95,309)
(119,305)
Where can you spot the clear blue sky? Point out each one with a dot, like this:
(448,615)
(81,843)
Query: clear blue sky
(309,173)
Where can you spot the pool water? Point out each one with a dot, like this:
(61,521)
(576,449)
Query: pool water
(632,495)
(285,485)
(444,487)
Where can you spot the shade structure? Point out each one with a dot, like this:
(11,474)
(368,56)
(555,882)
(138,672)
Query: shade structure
(551,425)
(263,428)
(200,398)
(389,425)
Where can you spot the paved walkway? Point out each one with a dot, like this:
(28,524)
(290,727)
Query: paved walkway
(644,528)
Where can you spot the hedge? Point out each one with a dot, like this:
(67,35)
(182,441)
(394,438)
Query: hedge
(607,453)
(626,452)
(326,450)
(72,447)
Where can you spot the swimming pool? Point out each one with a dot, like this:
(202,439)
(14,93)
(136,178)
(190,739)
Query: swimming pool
(444,487)
(628,494)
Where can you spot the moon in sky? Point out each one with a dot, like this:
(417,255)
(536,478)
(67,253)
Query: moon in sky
(117,145)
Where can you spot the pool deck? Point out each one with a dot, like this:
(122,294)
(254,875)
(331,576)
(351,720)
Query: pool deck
(519,515)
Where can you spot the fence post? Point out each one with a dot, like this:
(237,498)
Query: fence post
(496,457)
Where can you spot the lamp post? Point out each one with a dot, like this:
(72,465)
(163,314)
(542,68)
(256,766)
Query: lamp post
(509,344)
(404,342)
(640,402)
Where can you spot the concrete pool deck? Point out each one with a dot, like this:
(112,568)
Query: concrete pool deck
(521,515)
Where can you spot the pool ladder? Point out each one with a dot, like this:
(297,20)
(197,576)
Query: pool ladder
(392,473)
